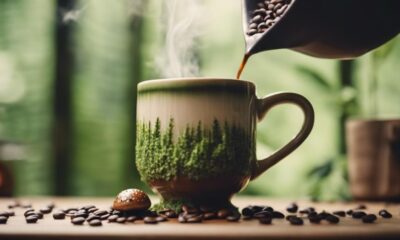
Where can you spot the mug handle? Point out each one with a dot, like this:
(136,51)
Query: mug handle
(263,106)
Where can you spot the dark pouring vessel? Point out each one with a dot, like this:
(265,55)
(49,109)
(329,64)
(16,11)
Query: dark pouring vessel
(342,29)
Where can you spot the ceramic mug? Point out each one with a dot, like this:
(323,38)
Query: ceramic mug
(196,136)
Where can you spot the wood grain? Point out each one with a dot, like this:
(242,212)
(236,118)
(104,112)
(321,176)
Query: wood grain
(348,228)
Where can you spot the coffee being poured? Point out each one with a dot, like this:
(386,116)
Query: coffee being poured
(315,28)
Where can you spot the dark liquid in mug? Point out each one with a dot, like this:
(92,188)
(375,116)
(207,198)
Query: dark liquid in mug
(241,67)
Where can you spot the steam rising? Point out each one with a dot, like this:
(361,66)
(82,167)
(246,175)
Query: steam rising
(182,25)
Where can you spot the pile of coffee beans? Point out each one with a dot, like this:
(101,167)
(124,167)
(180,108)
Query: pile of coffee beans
(265,215)
(268,12)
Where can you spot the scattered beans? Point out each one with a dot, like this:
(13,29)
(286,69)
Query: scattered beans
(265,220)
(78,220)
(332,219)
(296,221)
(95,223)
(112,218)
(3,219)
(121,220)
(340,213)
(31,219)
(150,220)
(358,214)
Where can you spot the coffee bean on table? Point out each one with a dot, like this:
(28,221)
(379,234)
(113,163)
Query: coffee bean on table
(385,214)
(263,214)
(150,220)
(132,219)
(292,208)
(71,210)
(100,212)
(268,209)
(92,210)
(296,221)
(121,220)
(28,211)
(3,219)
(51,205)
(132,199)
(247,212)
(10,213)
(161,219)
(78,220)
(332,219)
(369,218)
(95,223)
(59,215)
(113,218)
(92,217)
(80,214)
(340,213)
(265,220)
(358,214)
(45,210)
(171,214)
(276,214)
(31,219)
(314,218)
(105,216)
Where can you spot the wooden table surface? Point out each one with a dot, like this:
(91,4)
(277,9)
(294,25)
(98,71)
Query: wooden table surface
(348,228)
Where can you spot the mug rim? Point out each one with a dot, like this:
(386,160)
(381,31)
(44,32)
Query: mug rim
(189,83)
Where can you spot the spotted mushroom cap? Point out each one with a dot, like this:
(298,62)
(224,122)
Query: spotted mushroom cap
(132,199)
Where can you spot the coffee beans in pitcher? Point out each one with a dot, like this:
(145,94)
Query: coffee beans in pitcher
(267,13)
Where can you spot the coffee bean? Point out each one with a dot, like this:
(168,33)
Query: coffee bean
(281,10)
(276,214)
(289,216)
(247,212)
(105,216)
(233,218)
(256,19)
(131,219)
(314,218)
(120,220)
(323,215)
(100,212)
(385,214)
(209,216)
(31,219)
(223,213)
(369,218)
(296,221)
(171,214)
(80,214)
(45,210)
(358,214)
(3,219)
(51,205)
(95,223)
(92,217)
(265,220)
(71,210)
(28,211)
(253,26)
(58,215)
(259,11)
(4,214)
(292,208)
(332,219)
(10,213)
(161,219)
(92,210)
(78,220)
(257,209)
(116,212)
(263,214)
(307,210)
(113,218)
(195,219)
(340,213)
(150,220)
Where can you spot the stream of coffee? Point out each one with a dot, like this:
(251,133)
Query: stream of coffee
(242,65)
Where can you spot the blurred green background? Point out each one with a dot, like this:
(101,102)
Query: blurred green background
(69,69)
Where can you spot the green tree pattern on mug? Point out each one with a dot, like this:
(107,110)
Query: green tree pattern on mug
(197,153)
